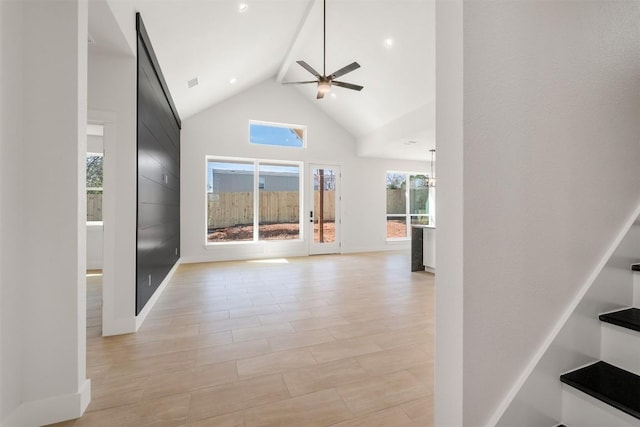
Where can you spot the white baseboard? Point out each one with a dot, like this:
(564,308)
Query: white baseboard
(119,326)
(152,301)
(51,410)
(129,325)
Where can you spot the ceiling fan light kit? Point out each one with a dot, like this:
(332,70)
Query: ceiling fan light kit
(324,81)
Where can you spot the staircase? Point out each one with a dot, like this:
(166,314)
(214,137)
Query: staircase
(607,393)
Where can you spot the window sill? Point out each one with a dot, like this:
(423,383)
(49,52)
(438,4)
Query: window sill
(250,243)
(398,241)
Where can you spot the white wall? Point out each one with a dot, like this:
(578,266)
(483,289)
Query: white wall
(94,246)
(11,206)
(222,130)
(550,95)
(112,96)
(43,143)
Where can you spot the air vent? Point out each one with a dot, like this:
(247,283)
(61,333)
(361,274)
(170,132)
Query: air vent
(193,82)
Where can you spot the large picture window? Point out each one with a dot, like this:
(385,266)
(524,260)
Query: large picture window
(407,203)
(250,200)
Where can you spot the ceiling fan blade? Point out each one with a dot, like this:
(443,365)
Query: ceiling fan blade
(347,85)
(309,68)
(320,95)
(300,83)
(344,70)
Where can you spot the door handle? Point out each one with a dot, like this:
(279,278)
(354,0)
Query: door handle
(310,216)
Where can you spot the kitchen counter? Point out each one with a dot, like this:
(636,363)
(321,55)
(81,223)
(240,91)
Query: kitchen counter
(423,248)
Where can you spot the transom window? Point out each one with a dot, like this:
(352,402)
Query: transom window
(277,134)
(251,200)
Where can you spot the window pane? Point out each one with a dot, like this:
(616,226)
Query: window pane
(324,205)
(279,202)
(230,201)
(277,134)
(418,194)
(420,219)
(396,193)
(396,227)
(94,187)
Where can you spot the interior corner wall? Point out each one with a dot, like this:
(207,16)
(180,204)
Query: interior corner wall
(222,130)
(550,96)
(112,91)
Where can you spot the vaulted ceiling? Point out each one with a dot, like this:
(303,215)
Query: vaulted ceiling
(229,49)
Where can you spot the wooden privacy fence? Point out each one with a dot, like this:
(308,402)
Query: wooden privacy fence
(329,204)
(94,207)
(396,201)
(276,207)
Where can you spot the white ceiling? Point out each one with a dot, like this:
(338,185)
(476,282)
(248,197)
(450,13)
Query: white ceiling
(213,41)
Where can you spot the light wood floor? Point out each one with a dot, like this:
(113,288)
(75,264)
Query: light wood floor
(320,341)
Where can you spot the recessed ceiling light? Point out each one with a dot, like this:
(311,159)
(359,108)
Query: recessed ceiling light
(333,95)
(243,7)
(388,42)
(193,82)
(233,80)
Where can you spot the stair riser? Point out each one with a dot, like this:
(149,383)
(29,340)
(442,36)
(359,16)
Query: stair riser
(620,347)
(580,409)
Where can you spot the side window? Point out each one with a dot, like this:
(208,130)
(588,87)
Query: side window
(409,201)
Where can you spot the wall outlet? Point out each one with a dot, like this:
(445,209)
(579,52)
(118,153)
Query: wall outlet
(149,280)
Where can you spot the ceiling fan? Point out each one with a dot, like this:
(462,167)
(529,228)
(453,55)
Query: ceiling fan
(325,81)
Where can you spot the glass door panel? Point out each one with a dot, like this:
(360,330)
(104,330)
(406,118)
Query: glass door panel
(324,216)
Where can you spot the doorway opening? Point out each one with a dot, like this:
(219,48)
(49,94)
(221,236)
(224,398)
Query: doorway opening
(95,229)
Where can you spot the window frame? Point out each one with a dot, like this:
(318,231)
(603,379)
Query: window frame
(101,189)
(407,215)
(256,199)
(278,125)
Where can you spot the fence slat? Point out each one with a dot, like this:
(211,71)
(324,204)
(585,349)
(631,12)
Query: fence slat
(227,209)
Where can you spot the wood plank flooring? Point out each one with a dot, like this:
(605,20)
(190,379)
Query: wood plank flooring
(340,340)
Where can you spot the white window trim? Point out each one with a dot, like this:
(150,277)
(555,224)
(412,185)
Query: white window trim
(406,215)
(256,195)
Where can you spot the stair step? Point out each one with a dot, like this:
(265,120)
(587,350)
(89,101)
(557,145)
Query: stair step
(628,318)
(608,383)
(635,267)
